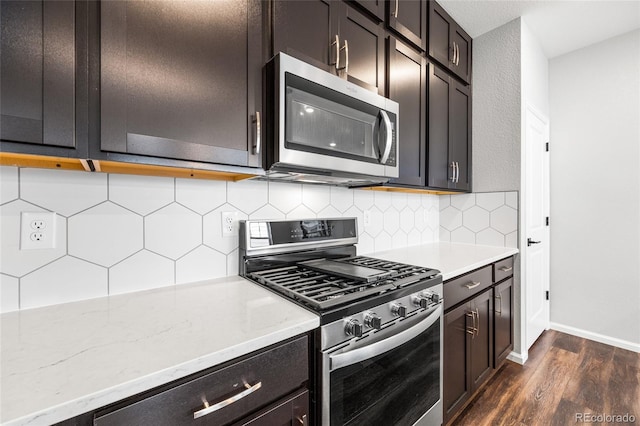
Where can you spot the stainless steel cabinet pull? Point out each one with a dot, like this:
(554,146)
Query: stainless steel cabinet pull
(472,331)
(499,311)
(211,408)
(472,285)
(395,13)
(303,421)
(257,145)
(457,172)
(337,44)
(506,269)
(453,171)
(346,57)
(478,326)
(457,54)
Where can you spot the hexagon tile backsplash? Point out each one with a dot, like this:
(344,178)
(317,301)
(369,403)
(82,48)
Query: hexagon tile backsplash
(122,233)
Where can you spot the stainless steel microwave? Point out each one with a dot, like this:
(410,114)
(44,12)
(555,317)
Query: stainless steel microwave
(321,128)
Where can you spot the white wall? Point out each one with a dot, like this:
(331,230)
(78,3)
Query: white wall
(535,72)
(595,191)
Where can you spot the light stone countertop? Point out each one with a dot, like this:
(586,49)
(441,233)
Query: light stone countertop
(451,259)
(61,361)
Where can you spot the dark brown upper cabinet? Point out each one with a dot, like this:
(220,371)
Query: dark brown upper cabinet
(41,76)
(334,36)
(407,84)
(449,44)
(374,7)
(449,123)
(181,80)
(408,18)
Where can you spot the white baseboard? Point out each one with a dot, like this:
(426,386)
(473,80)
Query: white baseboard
(518,357)
(619,343)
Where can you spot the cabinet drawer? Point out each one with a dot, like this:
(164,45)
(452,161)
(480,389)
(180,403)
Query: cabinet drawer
(459,289)
(502,269)
(273,374)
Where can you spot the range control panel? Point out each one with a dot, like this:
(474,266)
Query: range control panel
(262,234)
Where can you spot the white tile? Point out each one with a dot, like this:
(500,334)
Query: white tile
(200,195)
(391,221)
(433,219)
(475,218)
(8,184)
(407,219)
(399,239)
(463,235)
(301,212)
(414,201)
(9,293)
(365,244)
(420,221)
(463,201)
(444,201)
(511,239)
(233,263)
(172,231)
(285,196)
(65,280)
(329,212)
(105,234)
(62,191)
(429,236)
(267,212)
(444,235)
(141,194)
(450,218)
(247,195)
(398,200)
(382,242)
(490,200)
(363,198)
(212,230)
(316,197)
(341,198)
(355,212)
(490,237)
(200,264)
(142,271)
(16,262)
(511,199)
(376,222)
(504,219)
(382,200)
(414,238)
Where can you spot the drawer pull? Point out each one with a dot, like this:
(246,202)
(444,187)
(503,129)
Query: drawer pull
(210,409)
(506,269)
(472,285)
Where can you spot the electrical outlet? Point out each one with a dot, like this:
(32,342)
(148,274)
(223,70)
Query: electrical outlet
(229,224)
(366,217)
(37,230)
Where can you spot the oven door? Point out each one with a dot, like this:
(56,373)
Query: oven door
(393,379)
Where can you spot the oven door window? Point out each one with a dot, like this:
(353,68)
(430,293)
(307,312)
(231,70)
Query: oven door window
(323,121)
(395,388)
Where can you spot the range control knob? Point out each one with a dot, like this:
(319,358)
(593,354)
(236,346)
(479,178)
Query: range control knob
(372,320)
(421,300)
(434,297)
(353,328)
(399,310)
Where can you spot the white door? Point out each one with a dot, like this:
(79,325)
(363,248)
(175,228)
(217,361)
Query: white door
(535,236)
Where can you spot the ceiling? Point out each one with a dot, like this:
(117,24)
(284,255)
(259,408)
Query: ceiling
(560,26)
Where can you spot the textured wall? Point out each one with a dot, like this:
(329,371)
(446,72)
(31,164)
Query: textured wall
(120,233)
(496,109)
(595,190)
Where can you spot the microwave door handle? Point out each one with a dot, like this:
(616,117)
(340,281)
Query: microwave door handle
(389,137)
(367,352)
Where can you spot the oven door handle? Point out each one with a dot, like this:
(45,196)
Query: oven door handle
(346,359)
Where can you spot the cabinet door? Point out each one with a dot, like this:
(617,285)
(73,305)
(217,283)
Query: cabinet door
(409,19)
(38,65)
(460,134)
(457,341)
(306,29)
(439,168)
(440,29)
(375,7)
(481,358)
(363,58)
(177,78)
(292,411)
(503,321)
(462,66)
(407,86)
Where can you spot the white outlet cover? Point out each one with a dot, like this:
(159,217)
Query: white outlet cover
(45,228)
(366,217)
(229,224)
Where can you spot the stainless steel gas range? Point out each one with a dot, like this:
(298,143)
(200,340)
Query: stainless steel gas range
(378,355)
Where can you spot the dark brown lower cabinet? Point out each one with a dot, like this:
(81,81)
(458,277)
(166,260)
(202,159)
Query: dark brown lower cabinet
(503,321)
(291,411)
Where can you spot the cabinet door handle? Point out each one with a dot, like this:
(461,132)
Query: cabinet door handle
(478,326)
(499,311)
(472,285)
(337,61)
(457,172)
(208,409)
(453,171)
(395,13)
(472,330)
(346,57)
(506,269)
(258,143)
(455,52)
(303,421)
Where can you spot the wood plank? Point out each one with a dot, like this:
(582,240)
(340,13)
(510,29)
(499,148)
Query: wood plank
(569,343)
(624,383)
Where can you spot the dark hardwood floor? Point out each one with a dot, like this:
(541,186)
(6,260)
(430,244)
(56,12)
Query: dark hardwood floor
(564,376)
